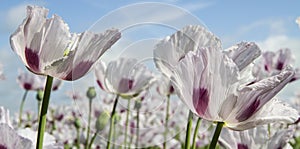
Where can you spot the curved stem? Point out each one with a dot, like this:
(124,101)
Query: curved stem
(188,131)
(92,140)
(166,122)
(42,119)
(137,127)
(195,133)
(89,125)
(127,122)
(216,135)
(112,122)
(21,108)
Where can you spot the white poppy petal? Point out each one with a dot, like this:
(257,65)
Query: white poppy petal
(55,40)
(31,135)
(228,139)
(169,51)
(253,97)
(280,139)
(4,116)
(284,59)
(127,77)
(11,140)
(243,53)
(90,47)
(30,81)
(100,73)
(273,111)
(118,74)
(200,75)
(21,39)
(268,60)
(47,47)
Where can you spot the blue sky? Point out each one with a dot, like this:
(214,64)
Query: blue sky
(270,24)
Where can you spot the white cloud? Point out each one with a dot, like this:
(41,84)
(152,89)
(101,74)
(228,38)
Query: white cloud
(195,6)
(15,15)
(298,21)
(12,18)
(275,26)
(267,27)
(143,13)
(274,43)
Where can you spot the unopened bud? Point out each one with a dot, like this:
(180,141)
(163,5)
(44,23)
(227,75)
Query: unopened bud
(137,105)
(77,123)
(102,120)
(40,95)
(91,93)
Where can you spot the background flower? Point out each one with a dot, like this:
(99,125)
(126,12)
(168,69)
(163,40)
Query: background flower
(125,76)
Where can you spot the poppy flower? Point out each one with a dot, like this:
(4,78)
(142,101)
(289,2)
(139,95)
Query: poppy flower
(256,138)
(208,82)
(125,77)
(46,46)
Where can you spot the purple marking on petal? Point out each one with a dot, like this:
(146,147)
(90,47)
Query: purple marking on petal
(171,89)
(79,70)
(132,127)
(200,100)
(294,79)
(59,117)
(125,85)
(242,146)
(2,146)
(27,86)
(122,110)
(100,85)
(266,68)
(54,88)
(97,113)
(249,111)
(182,57)
(32,59)
(279,65)
(250,83)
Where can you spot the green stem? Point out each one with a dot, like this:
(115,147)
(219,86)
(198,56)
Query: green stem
(188,130)
(39,106)
(42,119)
(166,122)
(89,125)
(112,122)
(130,142)
(137,127)
(269,130)
(196,132)
(21,108)
(92,140)
(127,122)
(77,138)
(216,135)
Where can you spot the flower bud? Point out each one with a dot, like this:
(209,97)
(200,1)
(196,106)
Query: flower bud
(102,120)
(40,95)
(137,105)
(117,118)
(77,123)
(91,93)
